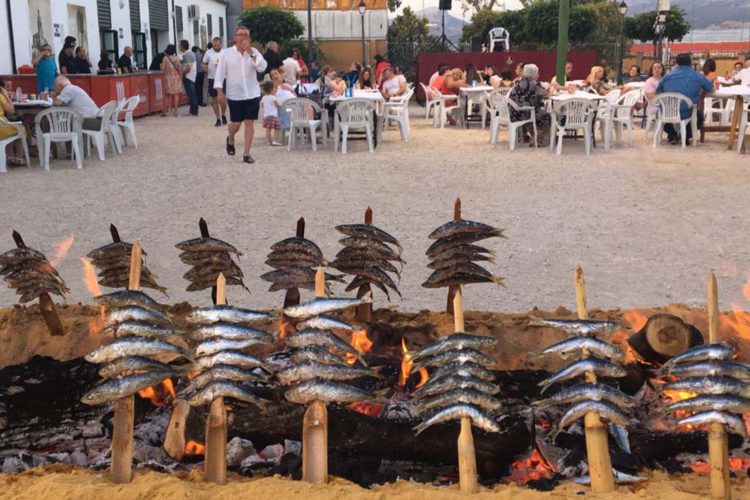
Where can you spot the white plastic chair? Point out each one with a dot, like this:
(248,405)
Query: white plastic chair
(605,115)
(501,118)
(579,114)
(20,136)
(301,112)
(355,114)
(64,126)
(398,111)
(429,103)
(744,119)
(721,114)
(114,127)
(103,133)
(442,108)
(127,123)
(499,36)
(623,115)
(668,105)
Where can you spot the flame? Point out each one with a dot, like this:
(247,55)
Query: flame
(533,468)
(62,250)
(739,464)
(407,362)
(737,320)
(194,448)
(160,394)
(679,396)
(635,319)
(361,343)
(89,277)
(369,408)
(285,328)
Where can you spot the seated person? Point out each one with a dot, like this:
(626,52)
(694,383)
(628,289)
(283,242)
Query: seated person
(527,92)
(441,69)
(366,80)
(634,75)
(595,81)
(106,65)
(568,76)
(688,82)
(506,78)
(394,85)
(78,100)
(437,82)
(491,77)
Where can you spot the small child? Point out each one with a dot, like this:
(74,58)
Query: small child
(271,107)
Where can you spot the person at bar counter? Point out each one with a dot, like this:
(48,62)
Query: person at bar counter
(125,62)
(683,80)
(81,63)
(210,62)
(78,100)
(106,65)
(189,73)
(240,66)
(66,56)
(46,69)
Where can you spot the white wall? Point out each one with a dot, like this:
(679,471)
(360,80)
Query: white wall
(6,62)
(215,8)
(347,25)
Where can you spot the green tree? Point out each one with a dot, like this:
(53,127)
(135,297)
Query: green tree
(268,23)
(541,22)
(641,27)
(393,5)
(408,28)
(482,21)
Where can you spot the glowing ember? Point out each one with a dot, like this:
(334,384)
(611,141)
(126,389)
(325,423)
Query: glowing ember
(369,408)
(160,394)
(361,343)
(737,464)
(194,448)
(635,319)
(407,362)
(89,277)
(531,469)
(62,250)
(679,396)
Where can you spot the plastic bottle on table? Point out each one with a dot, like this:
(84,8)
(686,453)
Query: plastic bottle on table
(19,94)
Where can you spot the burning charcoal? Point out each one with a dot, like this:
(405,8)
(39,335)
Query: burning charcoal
(13,464)
(79,458)
(92,429)
(143,453)
(238,449)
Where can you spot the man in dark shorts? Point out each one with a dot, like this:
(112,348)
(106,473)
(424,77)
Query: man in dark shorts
(210,61)
(238,68)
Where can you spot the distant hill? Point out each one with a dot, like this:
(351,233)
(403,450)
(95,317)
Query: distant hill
(703,14)
(453,25)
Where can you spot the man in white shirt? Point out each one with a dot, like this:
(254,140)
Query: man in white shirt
(744,76)
(210,61)
(78,100)
(291,69)
(189,72)
(240,66)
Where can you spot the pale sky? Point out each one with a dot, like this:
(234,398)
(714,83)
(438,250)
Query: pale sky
(418,5)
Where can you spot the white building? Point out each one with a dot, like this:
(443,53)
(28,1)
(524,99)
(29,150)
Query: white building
(146,25)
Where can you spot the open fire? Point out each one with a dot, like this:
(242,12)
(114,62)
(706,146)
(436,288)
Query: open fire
(161,394)
(194,448)
(533,468)
(361,343)
(407,362)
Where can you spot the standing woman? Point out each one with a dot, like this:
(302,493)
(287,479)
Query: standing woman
(172,68)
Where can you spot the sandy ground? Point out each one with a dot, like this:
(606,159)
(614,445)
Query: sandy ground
(647,225)
(79,483)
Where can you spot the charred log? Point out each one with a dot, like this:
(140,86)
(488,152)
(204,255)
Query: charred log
(664,336)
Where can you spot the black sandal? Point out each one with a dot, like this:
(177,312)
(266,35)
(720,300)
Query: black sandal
(230,148)
(248,159)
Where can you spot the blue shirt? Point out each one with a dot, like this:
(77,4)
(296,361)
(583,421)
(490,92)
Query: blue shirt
(46,70)
(686,81)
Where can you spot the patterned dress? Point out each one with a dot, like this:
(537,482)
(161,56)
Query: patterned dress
(173,74)
(528,93)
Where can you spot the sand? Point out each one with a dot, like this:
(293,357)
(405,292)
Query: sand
(74,484)
(647,225)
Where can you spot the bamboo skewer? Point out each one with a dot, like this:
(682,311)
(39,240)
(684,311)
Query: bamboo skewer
(718,445)
(467,458)
(597,444)
(315,424)
(216,423)
(453,288)
(123,420)
(364,311)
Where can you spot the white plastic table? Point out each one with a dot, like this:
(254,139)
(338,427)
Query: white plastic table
(371,95)
(740,94)
(465,94)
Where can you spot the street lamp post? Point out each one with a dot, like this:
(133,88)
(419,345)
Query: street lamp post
(362,8)
(623,10)
(310,55)
(660,27)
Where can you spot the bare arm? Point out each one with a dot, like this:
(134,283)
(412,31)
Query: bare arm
(7,105)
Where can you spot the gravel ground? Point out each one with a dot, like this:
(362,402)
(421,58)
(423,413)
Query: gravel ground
(647,225)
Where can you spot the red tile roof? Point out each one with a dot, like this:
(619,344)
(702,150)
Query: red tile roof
(695,47)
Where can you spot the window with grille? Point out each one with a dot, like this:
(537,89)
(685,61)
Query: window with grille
(209,26)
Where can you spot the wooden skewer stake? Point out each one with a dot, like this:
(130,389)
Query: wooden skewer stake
(291,298)
(122,422)
(452,289)
(597,444)
(364,311)
(467,458)
(216,423)
(718,446)
(315,424)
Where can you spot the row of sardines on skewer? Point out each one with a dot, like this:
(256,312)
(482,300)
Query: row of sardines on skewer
(218,351)
(369,255)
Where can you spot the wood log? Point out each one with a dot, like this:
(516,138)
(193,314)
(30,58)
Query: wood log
(175,439)
(216,423)
(664,336)
(123,421)
(718,446)
(315,423)
(597,444)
